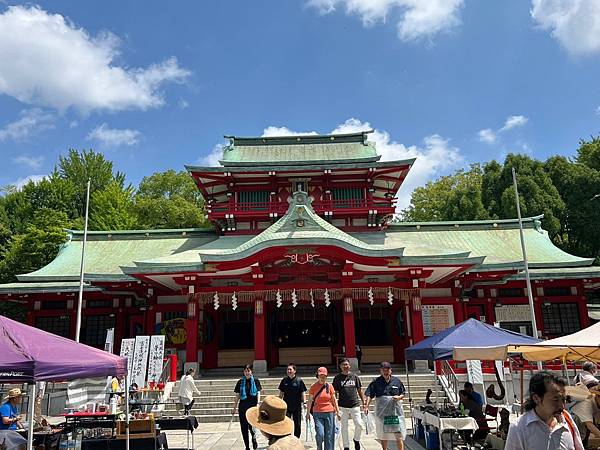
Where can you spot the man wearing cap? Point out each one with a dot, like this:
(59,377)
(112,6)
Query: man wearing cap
(385,385)
(271,419)
(9,411)
(350,400)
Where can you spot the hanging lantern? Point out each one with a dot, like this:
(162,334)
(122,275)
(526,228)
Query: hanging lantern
(390,296)
(234,304)
(370,296)
(294,298)
(216,301)
(279,299)
(327,299)
(312,298)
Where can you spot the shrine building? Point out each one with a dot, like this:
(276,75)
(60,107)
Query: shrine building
(303,264)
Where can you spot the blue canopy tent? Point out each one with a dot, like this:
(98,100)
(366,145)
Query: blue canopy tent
(470,333)
(466,334)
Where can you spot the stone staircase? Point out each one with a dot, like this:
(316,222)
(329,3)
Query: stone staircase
(217,397)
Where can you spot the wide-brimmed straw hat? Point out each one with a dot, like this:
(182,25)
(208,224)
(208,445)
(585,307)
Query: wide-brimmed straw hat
(16,392)
(270,417)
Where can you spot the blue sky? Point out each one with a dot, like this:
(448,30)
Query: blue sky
(155,85)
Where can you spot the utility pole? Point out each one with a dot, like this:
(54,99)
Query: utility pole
(82,266)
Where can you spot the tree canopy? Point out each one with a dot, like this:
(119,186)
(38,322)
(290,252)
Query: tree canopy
(561,189)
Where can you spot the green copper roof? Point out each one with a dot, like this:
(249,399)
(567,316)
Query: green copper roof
(41,288)
(107,251)
(301,150)
(498,240)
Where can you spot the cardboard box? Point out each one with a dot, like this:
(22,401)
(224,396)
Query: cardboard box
(144,426)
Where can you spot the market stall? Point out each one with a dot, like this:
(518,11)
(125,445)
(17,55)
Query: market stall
(441,346)
(28,355)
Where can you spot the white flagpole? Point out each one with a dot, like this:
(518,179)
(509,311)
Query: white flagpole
(82,266)
(524,251)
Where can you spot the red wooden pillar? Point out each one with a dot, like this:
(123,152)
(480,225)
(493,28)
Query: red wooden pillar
(191,327)
(349,335)
(260,336)
(416,320)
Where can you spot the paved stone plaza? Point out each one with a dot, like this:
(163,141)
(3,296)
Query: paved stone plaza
(215,436)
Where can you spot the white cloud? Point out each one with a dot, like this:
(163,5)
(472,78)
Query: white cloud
(418,18)
(213,158)
(49,61)
(434,157)
(575,24)
(112,137)
(514,122)
(598,111)
(487,135)
(33,162)
(283,131)
(23,181)
(32,121)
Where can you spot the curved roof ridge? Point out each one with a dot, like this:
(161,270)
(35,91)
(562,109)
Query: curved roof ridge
(445,223)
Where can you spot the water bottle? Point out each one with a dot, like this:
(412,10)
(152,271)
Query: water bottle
(462,410)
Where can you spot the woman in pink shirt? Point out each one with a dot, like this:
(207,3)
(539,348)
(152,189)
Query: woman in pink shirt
(323,405)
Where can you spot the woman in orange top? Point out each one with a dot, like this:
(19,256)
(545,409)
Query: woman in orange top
(322,405)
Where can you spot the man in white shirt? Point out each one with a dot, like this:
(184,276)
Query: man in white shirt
(546,425)
(585,411)
(587,375)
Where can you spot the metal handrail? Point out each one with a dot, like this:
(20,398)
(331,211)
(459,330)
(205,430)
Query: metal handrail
(449,381)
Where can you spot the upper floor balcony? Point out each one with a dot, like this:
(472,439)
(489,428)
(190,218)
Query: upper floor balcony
(277,208)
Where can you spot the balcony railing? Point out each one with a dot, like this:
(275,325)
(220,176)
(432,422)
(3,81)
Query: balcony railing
(282,207)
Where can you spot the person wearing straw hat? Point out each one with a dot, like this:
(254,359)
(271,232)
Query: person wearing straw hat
(271,419)
(10,418)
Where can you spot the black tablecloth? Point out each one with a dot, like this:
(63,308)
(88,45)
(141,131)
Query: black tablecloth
(189,423)
(119,444)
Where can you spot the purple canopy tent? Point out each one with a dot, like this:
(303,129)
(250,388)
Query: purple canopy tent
(28,355)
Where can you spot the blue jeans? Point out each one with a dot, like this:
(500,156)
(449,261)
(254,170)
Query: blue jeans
(324,430)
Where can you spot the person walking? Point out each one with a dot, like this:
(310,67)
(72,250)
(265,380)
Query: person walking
(386,389)
(323,405)
(351,400)
(187,388)
(546,424)
(247,390)
(272,421)
(293,392)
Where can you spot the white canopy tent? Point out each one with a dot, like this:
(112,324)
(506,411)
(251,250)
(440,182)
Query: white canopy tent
(583,345)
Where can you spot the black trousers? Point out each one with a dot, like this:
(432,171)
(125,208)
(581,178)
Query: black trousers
(187,408)
(245,427)
(296,416)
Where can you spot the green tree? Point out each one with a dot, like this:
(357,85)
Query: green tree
(580,223)
(79,167)
(112,209)
(588,153)
(169,200)
(36,247)
(537,193)
(451,197)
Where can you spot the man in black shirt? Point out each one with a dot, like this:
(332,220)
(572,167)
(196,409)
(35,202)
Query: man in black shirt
(389,386)
(350,400)
(293,391)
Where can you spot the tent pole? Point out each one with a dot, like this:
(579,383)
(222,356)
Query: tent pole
(522,389)
(412,420)
(30,412)
(127,411)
